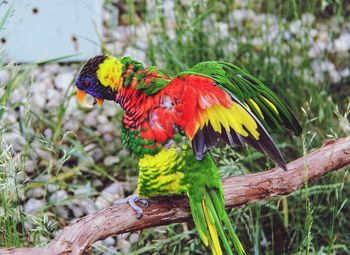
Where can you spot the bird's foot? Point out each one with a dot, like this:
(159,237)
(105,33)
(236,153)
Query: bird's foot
(131,200)
(169,144)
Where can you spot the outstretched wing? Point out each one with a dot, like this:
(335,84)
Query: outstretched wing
(208,111)
(258,98)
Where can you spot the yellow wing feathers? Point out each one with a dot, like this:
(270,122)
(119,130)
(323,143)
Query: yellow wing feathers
(234,123)
(256,106)
(270,104)
(235,117)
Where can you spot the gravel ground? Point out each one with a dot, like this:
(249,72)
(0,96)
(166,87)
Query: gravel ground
(51,84)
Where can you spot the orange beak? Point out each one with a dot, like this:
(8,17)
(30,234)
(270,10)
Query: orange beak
(81,96)
(99,101)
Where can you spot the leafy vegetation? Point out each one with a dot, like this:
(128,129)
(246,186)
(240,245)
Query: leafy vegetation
(274,40)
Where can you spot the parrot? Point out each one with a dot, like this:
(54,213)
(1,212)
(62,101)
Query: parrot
(170,124)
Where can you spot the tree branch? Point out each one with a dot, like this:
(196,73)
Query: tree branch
(240,190)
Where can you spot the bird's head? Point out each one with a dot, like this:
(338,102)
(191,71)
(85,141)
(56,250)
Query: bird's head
(101,77)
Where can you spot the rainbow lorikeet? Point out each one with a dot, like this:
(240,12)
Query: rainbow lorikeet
(169,123)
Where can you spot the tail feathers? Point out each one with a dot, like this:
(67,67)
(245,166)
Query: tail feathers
(210,216)
(199,220)
(214,239)
(218,202)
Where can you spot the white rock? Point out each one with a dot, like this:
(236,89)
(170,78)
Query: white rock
(130,186)
(122,33)
(83,190)
(48,133)
(77,211)
(63,211)
(18,95)
(97,183)
(134,237)
(39,101)
(345,72)
(43,154)
(307,19)
(52,187)
(141,44)
(117,47)
(102,202)
(344,124)
(85,161)
(232,46)
(342,43)
(43,178)
(113,192)
(90,147)
(52,68)
(91,119)
(21,177)
(40,73)
(71,124)
(323,34)
(97,154)
(15,139)
(42,239)
(123,153)
(21,194)
(4,76)
(28,225)
(287,35)
(72,106)
(111,160)
(109,241)
(124,245)
(37,192)
(294,26)
(317,49)
(223,29)
(9,118)
(106,128)
(2,90)
(335,76)
(257,42)
(58,196)
(41,87)
(102,119)
(33,206)
(54,98)
(63,80)
(142,31)
(108,138)
(239,15)
(87,206)
(111,110)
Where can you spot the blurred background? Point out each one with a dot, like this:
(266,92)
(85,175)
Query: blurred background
(59,162)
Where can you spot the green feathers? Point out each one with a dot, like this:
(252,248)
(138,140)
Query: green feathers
(258,98)
(210,218)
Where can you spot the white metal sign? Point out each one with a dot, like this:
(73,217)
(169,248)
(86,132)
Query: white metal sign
(47,29)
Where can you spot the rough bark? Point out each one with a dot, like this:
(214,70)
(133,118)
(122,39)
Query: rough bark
(240,190)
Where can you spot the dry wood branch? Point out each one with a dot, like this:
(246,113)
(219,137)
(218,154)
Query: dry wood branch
(78,237)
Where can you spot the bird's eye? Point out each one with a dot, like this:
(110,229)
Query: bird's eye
(86,83)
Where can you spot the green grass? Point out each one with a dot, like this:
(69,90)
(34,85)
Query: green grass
(314,220)
(304,222)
